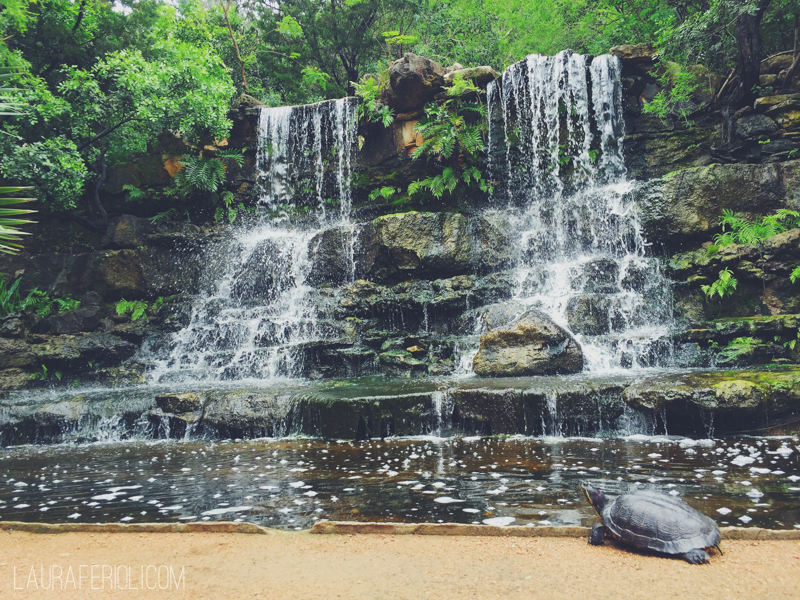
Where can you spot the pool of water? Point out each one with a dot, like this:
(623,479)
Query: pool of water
(292,483)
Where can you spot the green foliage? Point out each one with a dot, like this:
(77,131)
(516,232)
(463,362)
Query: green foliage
(724,286)
(454,143)
(676,97)
(36,300)
(39,375)
(138,308)
(461,86)
(313,77)
(385,192)
(738,346)
(10,299)
(9,223)
(207,175)
(739,229)
(53,167)
(42,304)
(134,193)
(795,274)
(372,109)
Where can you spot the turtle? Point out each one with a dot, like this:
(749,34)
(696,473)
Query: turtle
(654,521)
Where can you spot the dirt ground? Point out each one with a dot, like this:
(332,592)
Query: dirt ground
(305,566)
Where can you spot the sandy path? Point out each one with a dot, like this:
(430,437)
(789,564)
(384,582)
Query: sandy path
(300,565)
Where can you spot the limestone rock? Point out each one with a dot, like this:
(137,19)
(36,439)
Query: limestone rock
(179,402)
(776,64)
(533,345)
(766,103)
(597,276)
(414,81)
(635,53)
(688,203)
(480,76)
(413,245)
(126,231)
(330,255)
(241,413)
(755,126)
(590,314)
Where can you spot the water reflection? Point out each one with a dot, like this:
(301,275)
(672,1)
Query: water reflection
(291,484)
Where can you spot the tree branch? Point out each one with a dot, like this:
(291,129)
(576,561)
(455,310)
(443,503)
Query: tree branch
(105,132)
(225,8)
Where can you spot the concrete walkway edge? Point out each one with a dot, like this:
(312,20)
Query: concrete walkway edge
(358,528)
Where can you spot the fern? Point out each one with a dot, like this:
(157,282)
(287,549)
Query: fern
(134,193)
(236,156)
(725,285)
(795,275)
(136,308)
(206,174)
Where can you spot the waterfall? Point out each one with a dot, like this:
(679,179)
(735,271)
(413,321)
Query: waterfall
(557,149)
(259,314)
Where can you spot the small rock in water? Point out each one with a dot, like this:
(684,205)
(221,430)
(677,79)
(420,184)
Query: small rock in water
(745,519)
(446,500)
(724,511)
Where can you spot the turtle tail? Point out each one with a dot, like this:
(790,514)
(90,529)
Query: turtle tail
(721,553)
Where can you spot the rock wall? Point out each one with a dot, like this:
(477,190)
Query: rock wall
(431,272)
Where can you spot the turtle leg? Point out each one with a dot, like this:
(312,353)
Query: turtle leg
(598,534)
(697,556)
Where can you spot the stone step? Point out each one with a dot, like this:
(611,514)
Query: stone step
(683,403)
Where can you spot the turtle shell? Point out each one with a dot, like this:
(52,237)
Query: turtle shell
(659,522)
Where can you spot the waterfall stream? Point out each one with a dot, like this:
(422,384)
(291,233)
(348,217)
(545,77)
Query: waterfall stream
(259,308)
(583,257)
(555,147)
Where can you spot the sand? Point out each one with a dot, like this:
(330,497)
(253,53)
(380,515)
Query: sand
(301,565)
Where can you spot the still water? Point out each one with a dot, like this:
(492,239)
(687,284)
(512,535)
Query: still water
(292,483)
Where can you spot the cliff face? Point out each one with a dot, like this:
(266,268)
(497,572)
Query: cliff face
(423,275)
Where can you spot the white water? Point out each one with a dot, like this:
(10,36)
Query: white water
(555,147)
(580,238)
(258,309)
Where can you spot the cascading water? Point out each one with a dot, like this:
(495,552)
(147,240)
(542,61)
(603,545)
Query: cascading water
(259,310)
(556,148)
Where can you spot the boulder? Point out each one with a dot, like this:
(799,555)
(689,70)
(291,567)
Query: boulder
(480,76)
(688,203)
(416,245)
(776,64)
(179,403)
(240,413)
(330,255)
(596,276)
(590,314)
(532,345)
(126,231)
(634,53)
(414,81)
(264,276)
(755,126)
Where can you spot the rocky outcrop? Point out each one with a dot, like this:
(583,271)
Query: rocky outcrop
(532,345)
(432,245)
(126,231)
(685,206)
(414,81)
(480,76)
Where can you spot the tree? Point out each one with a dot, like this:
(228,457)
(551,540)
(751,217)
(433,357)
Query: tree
(83,118)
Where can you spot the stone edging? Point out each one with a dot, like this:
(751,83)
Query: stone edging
(355,528)
(205,527)
(453,529)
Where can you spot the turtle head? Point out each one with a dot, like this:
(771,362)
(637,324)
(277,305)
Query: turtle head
(595,497)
